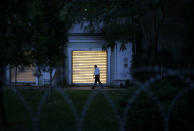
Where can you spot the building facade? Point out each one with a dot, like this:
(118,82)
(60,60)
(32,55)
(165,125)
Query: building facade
(83,51)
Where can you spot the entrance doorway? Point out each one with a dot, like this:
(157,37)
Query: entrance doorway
(83,66)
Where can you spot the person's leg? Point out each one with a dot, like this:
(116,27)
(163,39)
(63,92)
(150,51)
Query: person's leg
(98,79)
(95,82)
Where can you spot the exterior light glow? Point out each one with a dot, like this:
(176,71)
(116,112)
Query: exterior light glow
(83,66)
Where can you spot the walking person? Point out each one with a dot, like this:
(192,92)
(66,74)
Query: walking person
(97,77)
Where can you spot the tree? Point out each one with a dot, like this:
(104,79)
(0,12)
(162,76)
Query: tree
(49,34)
(14,41)
(123,21)
(31,33)
(144,23)
(188,46)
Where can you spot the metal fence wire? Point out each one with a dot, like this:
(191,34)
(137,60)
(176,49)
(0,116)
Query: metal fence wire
(121,119)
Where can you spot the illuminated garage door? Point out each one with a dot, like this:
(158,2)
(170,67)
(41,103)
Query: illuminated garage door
(83,66)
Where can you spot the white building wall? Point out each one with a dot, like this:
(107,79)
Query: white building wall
(83,43)
(121,62)
(118,62)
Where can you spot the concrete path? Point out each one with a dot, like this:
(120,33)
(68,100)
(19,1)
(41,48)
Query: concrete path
(70,88)
(89,88)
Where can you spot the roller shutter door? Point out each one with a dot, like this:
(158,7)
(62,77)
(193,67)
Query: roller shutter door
(25,75)
(83,66)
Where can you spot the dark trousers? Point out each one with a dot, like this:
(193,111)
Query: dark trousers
(97,79)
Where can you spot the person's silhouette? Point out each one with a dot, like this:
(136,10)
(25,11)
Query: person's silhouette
(97,77)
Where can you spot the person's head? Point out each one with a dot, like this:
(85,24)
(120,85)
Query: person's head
(95,66)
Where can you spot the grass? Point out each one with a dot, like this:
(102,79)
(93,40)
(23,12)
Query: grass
(56,115)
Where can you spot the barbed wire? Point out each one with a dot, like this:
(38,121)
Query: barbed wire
(121,119)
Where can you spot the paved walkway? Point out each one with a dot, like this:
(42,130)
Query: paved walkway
(70,88)
(89,88)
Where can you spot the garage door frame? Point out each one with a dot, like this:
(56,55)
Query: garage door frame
(69,63)
(92,71)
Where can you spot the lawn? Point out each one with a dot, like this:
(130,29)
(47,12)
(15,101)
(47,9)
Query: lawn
(61,114)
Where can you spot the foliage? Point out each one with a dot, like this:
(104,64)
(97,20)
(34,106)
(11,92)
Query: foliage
(15,35)
(150,25)
(49,32)
(121,20)
(31,33)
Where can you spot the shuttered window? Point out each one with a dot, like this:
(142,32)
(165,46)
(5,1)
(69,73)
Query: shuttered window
(24,75)
(83,66)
